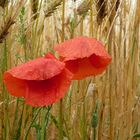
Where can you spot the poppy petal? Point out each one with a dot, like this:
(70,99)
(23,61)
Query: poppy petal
(99,61)
(15,86)
(83,56)
(38,69)
(50,55)
(80,47)
(83,68)
(72,65)
(41,82)
(41,93)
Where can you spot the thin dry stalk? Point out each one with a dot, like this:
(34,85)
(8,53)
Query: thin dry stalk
(101,10)
(91,18)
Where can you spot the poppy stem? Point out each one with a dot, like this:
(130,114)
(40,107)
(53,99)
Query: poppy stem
(61,101)
(94,133)
(33,120)
(61,120)
(45,120)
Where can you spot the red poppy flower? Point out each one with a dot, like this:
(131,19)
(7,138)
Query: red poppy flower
(83,56)
(41,82)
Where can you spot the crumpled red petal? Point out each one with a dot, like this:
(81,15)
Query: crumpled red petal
(98,61)
(15,86)
(38,69)
(83,56)
(41,93)
(50,86)
(80,47)
(83,68)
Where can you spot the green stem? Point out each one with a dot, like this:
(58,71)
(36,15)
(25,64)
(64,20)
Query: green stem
(61,120)
(44,123)
(34,118)
(84,122)
(94,133)
(61,101)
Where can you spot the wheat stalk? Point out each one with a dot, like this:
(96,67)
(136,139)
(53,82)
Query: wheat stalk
(9,22)
(101,10)
(5,29)
(3,3)
(34,7)
(51,7)
(83,7)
